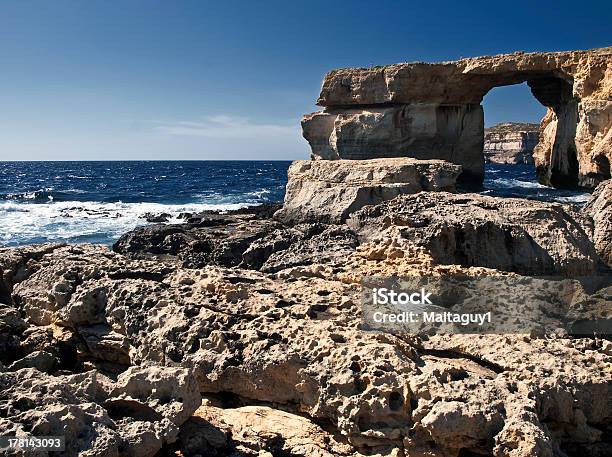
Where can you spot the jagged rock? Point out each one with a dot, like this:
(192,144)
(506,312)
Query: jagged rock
(156,217)
(329,191)
(266,245)
(216,239)
(17,264)
(303,244)
(51,289)
(253,430)
(510,143)
(599,209)
(11,327)
(293,340)
(104,344)
(523,236)
(22,345)
(41,360)
(433,111)
(134,416)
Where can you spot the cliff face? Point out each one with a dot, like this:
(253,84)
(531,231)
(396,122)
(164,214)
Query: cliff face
(433,111)
(510,143)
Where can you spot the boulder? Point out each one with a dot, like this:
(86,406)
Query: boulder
(259,431)
(134,416)
(599,209)
(523,236)
(433,111)
(329,191)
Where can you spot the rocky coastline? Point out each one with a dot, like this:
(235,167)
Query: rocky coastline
(433,111)
(240,333)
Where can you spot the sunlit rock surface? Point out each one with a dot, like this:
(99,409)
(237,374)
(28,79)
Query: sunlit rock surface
(433,111)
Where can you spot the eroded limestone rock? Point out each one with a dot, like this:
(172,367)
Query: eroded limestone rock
(259,430)
(433,111)
(510,143)
(97,416)
(287,349)
(523,236)
(329,191)
(599,209)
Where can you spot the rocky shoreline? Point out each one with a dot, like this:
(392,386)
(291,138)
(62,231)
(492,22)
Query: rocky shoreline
(239,334)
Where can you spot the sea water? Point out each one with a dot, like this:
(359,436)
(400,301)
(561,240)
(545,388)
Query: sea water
(96,202)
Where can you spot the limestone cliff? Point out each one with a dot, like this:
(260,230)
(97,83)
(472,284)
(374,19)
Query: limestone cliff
(433,111)
(510,143)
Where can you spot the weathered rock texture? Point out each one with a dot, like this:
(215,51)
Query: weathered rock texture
(329,191)
(600,210)
(527,237)
(285,358)
(263,321)
(134,415)
(433,111)
(510,143)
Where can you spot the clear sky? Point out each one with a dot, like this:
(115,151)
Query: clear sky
(135,79)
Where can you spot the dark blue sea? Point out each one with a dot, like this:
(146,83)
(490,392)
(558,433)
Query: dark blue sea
(98,201)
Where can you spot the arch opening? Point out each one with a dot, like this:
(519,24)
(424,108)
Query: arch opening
(513,116)
(555,155)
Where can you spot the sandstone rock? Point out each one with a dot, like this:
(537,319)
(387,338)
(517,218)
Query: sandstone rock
(523,236)
(79,408)
(329,191)
(432,111)
(286,353)
(599,209)
(510,143)
(252,430)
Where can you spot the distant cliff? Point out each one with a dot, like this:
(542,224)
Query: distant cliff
(510,142)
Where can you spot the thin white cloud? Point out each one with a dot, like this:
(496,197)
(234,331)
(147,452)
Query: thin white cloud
(224,126)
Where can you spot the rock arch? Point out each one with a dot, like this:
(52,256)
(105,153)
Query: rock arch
(433,111)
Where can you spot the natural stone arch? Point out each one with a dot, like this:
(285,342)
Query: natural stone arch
(556,153)
(433,111)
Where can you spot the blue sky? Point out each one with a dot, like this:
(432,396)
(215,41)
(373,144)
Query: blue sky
(154,79)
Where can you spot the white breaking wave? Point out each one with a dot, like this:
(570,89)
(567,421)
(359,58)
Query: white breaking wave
(73,220)
(581,198)
(514,183)
(258,193)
